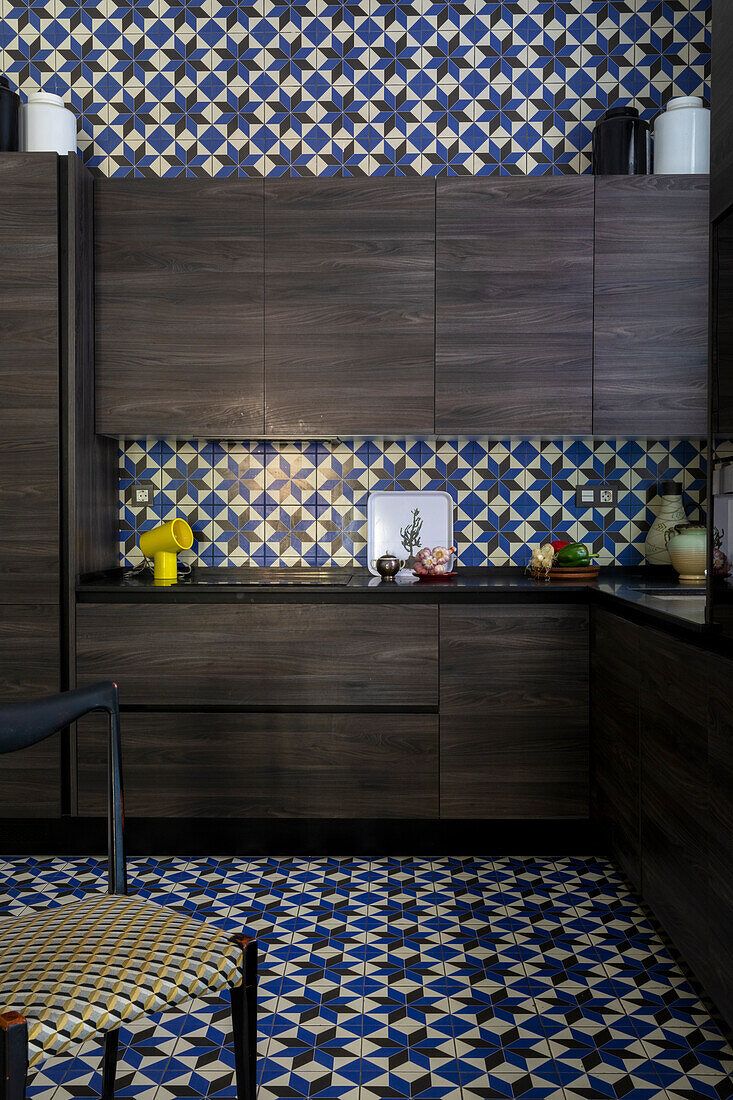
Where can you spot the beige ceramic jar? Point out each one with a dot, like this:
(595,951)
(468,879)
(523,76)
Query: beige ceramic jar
(687,545)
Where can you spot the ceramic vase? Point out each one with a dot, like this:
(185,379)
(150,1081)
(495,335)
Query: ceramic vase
(671,512)
(687,544)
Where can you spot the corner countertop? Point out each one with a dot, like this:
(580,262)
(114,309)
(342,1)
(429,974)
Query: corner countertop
(646,591)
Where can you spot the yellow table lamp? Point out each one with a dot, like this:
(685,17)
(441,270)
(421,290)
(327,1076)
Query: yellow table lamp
(163,543)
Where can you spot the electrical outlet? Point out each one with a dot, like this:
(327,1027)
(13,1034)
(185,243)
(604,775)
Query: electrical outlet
(598,496)
(141,494)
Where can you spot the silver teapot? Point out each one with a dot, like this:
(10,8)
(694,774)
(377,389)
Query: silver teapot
(388,566)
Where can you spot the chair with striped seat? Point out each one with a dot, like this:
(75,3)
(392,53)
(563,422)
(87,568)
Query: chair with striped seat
(82,969)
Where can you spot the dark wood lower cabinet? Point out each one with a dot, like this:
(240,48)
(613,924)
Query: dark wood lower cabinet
(719,979)
(674,796)
(267,765)
(615,682)
(262,655)
(662,785)
(514,712)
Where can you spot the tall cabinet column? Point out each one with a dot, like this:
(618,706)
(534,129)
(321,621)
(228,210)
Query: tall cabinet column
(30,654)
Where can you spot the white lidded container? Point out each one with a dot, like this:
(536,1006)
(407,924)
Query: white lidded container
(46,125)
(682,138)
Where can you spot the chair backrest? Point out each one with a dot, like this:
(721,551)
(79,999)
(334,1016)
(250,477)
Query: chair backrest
(24,724)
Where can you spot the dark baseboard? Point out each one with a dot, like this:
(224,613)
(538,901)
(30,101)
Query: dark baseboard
(302,837)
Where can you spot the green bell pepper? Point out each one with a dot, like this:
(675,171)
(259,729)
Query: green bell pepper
(575,553)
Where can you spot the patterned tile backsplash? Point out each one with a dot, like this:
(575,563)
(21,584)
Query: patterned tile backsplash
(351,87)
(306,503)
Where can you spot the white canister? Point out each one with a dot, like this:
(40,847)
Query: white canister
(682,138)
(46,125)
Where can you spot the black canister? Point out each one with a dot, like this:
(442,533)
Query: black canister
(621,143)
(9,107)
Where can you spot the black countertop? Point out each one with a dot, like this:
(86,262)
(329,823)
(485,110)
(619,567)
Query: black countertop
(654,593)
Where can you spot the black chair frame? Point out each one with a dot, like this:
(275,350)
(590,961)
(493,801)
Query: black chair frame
(24,724)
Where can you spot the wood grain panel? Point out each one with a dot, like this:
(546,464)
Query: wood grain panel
(721,137)
(349,327)
(90,461)
(720,853)
(29,378)
(615,790)
(309,655)
(267,765)
(675,805)
(514,712)
(514,304)
(651,305)
(30,781)
(29,651)
(179,295)
(722,343)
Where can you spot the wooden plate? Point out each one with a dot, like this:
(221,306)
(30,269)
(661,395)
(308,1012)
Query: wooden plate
(570,573)
(434,580)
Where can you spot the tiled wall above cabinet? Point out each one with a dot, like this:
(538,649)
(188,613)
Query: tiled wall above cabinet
(306,503)
(427,87)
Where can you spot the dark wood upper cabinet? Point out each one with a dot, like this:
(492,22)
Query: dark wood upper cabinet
(514,712)
(179,307)
(514,305)
(349,320)
(722,111)
(651,305)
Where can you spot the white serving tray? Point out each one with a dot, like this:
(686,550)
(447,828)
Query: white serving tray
(389,510)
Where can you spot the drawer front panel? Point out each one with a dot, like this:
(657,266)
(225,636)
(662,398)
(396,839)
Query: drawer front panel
(266,765)
(514,712)
(277,655)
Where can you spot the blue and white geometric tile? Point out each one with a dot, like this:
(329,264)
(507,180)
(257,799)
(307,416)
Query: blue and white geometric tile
(341,532)
(342,475)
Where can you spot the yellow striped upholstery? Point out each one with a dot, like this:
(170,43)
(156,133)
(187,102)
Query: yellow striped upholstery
(84,968)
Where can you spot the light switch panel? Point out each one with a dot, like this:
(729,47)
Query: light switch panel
(604,495)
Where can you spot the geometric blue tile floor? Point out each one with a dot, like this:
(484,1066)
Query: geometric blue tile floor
(445,979)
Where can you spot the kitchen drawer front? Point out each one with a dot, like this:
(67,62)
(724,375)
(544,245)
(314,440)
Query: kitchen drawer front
(514,712)
(266,765)
(284,655)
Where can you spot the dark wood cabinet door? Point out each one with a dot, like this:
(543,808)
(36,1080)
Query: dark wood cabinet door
(179,307)
(267,765)
(29,651)
(30,779)
(651,305)
(349,322)
(719,978)
(514,305)
(514,712)
(615,682)
(29,378)
(674,800)
(309,655)
(721,137)
(30,782)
